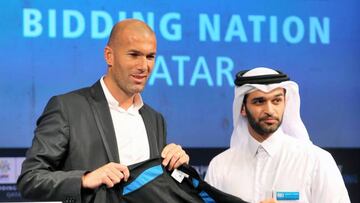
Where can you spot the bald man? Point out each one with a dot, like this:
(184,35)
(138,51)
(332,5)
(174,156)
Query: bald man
(87,138)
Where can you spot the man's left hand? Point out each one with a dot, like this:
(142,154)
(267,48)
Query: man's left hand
(272,200)
(174,156)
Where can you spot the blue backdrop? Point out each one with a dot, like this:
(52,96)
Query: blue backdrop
(51,47)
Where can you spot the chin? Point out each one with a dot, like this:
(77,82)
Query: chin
(270,130)
(138,89)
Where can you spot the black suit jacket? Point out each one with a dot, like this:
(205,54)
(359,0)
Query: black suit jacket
(75,134)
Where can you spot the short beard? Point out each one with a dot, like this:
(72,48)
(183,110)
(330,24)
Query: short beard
(264,131)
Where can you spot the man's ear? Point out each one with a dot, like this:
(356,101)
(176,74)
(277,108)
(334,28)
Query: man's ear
(243,111)
(108,55)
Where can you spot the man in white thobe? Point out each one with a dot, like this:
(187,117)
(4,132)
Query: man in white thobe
(271,156)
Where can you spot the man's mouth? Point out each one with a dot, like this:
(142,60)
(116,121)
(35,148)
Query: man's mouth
(269,120)
(139,78)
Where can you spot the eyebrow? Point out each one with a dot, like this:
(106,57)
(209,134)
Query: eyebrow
(139,52)
(279,95)
(263,98)
(133,51)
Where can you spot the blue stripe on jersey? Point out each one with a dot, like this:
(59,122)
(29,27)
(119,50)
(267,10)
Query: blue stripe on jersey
(145,177)
(205,196)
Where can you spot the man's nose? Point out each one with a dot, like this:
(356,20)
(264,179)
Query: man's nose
(269,108)
(143,63)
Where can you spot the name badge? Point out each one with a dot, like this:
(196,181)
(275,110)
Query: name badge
(287,195)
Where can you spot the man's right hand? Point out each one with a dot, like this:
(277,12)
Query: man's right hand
(109,174)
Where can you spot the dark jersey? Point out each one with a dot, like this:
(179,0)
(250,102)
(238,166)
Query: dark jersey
(149,182)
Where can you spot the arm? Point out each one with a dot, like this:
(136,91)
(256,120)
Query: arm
(328,184)
(211,176)
(42,176)
(49,171)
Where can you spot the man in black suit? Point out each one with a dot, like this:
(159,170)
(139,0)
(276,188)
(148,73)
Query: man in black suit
(85,139)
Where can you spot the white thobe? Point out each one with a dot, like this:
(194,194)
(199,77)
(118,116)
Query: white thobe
(253,171)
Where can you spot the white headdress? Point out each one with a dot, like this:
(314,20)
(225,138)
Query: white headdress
(291,124)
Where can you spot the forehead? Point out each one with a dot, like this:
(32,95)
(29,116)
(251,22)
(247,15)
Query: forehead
(133,37)
(273,93)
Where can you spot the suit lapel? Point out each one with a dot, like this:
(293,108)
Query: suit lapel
(150,131)
(101,111)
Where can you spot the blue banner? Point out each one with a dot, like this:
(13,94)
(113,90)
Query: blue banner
(51,47)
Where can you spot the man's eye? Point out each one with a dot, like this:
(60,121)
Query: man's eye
(150,57)
(258,102)
(276,101)
(134,54)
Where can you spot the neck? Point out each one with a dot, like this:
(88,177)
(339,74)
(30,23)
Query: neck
(125,100)
(258,137)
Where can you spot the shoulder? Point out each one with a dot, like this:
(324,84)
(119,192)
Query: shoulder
(223,158)
(146,109)
(308,150)
(321,152)
(296,145)
(307,146)
(95,91)
(72,101)
(81,93)
(216,168)
(324,158)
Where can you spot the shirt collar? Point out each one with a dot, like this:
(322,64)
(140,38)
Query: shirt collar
(253,145)
(271,145)
(137,103)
